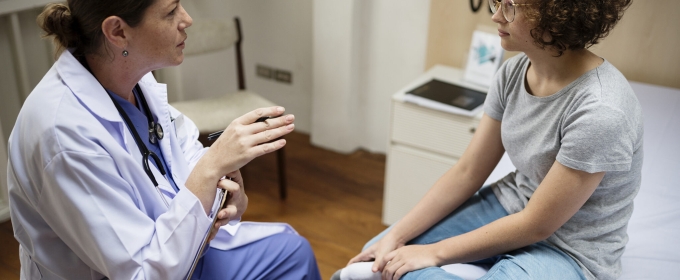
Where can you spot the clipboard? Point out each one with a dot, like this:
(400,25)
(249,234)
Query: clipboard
(220,202)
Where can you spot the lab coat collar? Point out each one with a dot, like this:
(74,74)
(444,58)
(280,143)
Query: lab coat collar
(89,91)
(93,96)
(86,87)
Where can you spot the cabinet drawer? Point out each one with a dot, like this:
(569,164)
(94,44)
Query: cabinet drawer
(410,173)
(435,131)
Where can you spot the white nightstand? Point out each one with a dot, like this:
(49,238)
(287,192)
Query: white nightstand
(424,143)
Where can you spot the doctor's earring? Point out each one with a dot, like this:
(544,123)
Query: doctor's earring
(125,53)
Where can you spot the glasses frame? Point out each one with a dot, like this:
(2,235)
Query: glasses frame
(493,5)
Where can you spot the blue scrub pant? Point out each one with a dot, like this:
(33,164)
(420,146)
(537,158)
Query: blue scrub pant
(537,261)
(280,256)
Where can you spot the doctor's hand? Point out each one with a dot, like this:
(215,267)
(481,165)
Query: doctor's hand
(245,139)
(236,204)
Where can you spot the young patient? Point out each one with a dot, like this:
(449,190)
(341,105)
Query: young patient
(572,126)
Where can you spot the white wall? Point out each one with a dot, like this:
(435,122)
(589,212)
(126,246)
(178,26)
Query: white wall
(336,106)
(361,52)
(9,90)
(396,55)
(36,60)
(364,51)
(37,57)
(276,34)
(347,58)
(4,201)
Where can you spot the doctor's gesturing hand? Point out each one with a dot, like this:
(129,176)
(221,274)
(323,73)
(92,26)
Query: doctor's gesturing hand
(245,139)
(242,141)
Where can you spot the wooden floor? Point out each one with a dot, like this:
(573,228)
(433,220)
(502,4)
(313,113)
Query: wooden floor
(334,200)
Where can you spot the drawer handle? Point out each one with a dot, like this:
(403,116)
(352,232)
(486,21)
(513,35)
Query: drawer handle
(473,129)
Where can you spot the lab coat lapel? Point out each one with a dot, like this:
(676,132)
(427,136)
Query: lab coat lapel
(156,96)
(94,97)
(86,88)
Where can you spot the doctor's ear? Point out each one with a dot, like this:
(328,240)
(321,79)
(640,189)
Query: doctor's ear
(115,31)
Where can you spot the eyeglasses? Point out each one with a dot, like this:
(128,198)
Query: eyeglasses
(508,8)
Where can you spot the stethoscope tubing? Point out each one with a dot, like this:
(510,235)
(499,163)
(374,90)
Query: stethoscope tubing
(146,153)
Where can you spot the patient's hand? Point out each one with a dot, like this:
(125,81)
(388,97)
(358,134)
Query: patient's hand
(409,258)
(377,252)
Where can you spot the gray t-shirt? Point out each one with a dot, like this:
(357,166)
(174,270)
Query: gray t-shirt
(595,125)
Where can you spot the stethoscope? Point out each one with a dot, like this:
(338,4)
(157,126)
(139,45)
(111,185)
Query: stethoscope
(155,134)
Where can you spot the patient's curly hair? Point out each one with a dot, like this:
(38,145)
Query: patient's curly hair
(574,24)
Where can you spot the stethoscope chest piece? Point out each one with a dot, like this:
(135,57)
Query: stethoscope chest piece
(155,132)
(159,131)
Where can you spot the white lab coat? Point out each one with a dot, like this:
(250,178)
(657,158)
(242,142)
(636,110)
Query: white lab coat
(82,206)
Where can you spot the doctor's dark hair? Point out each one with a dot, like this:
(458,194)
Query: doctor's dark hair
(78,24)
(574,24)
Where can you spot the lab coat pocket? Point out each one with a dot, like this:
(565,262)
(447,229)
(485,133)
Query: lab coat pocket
(180,130)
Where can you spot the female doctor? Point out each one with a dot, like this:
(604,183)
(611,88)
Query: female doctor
(107,180)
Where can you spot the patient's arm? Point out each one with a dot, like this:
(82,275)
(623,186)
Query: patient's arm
(457,185)
(556,200)
(560,195)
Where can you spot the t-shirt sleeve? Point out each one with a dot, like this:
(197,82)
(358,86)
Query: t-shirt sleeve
(597,138)
(494,104)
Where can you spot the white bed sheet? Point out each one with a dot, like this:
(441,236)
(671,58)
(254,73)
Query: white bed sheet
(653,250)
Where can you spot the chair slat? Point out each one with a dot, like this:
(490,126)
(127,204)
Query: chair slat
(209,35)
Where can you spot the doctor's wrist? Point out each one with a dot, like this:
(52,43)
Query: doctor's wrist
(206,169)
(202,182)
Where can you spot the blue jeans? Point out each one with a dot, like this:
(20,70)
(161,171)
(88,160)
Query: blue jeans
(537,261)
(281,256)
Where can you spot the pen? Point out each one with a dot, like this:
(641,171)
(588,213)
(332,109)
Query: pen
(213,136)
